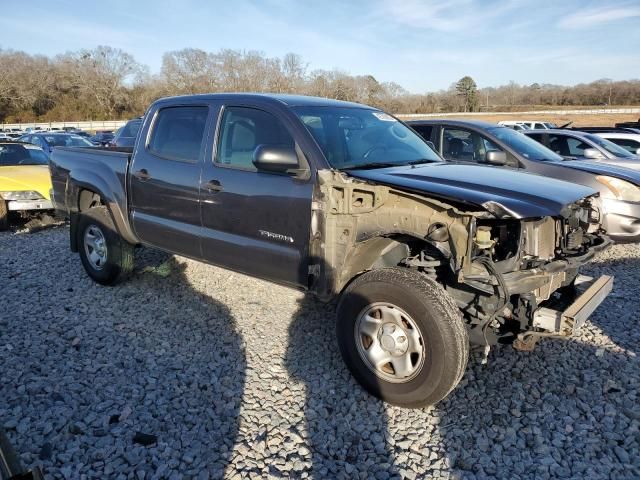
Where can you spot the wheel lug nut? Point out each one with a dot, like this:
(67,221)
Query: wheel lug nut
(401,339)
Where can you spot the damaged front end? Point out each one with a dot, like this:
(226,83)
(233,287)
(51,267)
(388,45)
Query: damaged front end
(524,272)
(511,277)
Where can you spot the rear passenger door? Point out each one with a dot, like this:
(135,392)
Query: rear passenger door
(255,222)
(164,179)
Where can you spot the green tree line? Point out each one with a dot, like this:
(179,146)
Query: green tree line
(108,83)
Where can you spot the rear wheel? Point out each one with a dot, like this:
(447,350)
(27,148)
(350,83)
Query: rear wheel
(4,215)
(402,336)
(106,257)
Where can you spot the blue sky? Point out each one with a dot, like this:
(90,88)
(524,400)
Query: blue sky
(423,45)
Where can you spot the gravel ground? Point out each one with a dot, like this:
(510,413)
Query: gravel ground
(236,377)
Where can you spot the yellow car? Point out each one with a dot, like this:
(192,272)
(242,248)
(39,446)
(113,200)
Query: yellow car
(24,180)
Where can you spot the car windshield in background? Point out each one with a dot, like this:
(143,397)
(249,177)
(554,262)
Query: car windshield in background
(21,155)
(524,145)
(610,147)
(131,129)
(358,137)
(67,141)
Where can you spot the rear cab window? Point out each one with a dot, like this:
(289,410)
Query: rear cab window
(178,133)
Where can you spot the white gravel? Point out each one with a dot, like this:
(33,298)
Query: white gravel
(239,378)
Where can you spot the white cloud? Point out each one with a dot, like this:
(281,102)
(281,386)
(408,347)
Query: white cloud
(597,16)
(442,15)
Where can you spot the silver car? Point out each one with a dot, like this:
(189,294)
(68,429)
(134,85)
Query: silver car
(576,145)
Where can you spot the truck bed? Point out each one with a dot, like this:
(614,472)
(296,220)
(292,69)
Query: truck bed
(103,170)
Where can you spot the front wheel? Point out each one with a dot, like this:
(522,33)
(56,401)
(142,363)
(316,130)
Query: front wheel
(106,257)
(402,337)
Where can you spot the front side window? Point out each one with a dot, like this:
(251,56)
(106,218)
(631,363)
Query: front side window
(576,147)
(244,129)
(526,145)
(178,133)
(609,146)
(352,137)
(626,143)
(466,146)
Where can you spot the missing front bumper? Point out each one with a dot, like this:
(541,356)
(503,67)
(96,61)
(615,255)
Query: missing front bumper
(552,323)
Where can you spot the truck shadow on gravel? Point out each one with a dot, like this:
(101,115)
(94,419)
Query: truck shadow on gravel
(569,409)
(346,427)
(165,360)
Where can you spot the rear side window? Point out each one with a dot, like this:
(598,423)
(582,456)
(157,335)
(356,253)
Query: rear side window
(178,132)
(131,129)
(242,130)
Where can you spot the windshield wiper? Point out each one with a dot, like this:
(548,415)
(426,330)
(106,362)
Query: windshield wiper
(370,166)
(420,161)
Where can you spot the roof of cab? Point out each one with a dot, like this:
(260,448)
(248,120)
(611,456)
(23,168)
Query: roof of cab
(289,100)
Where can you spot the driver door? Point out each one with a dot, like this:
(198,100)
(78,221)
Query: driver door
(255,222)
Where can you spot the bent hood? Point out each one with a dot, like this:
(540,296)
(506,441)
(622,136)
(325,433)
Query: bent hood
(603,168)
(504,193)
(25,177)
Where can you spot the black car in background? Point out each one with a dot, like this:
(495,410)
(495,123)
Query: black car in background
(47,141)
(102,139)
(126,136)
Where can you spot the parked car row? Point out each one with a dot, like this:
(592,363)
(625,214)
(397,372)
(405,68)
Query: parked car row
(48,138)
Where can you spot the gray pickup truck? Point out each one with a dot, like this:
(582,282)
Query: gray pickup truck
(346,202)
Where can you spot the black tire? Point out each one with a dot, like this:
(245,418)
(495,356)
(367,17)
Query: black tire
(119,253)
(4,216)
(438,320)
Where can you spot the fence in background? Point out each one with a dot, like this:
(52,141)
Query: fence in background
(115,124)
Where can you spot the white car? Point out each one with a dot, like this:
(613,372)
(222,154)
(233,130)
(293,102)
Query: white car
(628,141)
(528,124)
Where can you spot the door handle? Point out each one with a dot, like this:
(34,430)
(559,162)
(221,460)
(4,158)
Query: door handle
(142,175)
(214,186)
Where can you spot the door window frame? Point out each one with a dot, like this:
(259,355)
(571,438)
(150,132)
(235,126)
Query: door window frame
(303,163)
(153,125)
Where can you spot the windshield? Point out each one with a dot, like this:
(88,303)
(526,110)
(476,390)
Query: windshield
(67,141)
(131,129)
(350,137)
(525,146)
(610,147)
(21,155)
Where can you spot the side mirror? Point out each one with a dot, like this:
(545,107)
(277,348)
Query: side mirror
(496,157)
(591,153)
(433,147)
(272,158)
